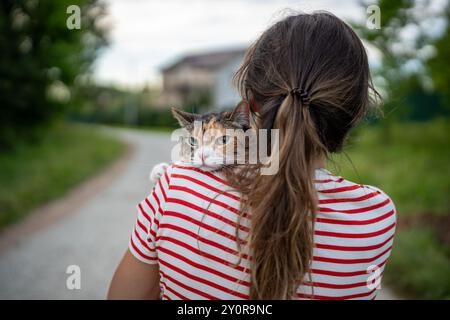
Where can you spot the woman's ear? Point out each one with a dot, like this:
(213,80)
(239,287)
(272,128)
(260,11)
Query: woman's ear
(241,115)
(184,118)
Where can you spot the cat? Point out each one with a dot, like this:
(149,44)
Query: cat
(207,145)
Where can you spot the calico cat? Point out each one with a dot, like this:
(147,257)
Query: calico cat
(207,143)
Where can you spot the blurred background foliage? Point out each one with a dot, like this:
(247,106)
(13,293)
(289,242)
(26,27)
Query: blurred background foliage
(413,73)
(46,89)
(41,60)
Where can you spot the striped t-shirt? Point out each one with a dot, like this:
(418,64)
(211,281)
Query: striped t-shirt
(187,225)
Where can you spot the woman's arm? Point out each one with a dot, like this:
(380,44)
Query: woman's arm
(134,279)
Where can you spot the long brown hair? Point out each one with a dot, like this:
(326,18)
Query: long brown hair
(307,76)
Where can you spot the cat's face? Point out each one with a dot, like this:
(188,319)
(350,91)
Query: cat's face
(208,144)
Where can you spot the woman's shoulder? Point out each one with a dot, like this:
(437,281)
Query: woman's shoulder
(199,186)
(339,195)
(181,173)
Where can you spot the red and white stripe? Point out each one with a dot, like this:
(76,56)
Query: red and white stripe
(187,225)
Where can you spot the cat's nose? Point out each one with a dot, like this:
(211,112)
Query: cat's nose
(204,154)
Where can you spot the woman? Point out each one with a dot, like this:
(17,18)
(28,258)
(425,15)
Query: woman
(308,233)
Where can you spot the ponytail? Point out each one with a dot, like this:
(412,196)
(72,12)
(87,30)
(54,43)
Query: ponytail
(283,207)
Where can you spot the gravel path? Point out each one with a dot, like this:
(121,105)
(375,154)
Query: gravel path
(93,236)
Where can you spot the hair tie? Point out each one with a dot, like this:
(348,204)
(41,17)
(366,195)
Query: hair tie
(302,94)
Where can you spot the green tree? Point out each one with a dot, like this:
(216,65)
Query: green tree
(41,58)
(406,41)
(439,66)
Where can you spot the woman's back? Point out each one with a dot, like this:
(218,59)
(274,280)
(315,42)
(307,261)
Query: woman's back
(188,223)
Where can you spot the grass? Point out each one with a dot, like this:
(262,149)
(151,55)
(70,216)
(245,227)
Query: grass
(411,165)
(33,174)
(420,264)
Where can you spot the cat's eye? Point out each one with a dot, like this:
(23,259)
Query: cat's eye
(193,141)
(222,140)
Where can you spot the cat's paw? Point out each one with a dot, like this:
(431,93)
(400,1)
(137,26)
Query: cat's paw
(157,172)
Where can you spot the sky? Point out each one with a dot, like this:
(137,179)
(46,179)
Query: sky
(146,35)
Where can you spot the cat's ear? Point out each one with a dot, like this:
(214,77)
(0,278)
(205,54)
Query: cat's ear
(241,114)
(184,118)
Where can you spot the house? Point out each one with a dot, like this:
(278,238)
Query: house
(200,75)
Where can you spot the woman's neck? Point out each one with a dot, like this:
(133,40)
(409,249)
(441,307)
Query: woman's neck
(321,162)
